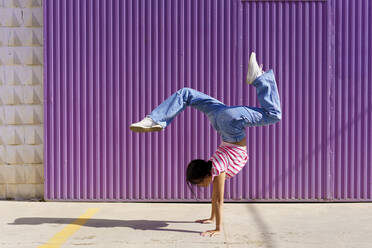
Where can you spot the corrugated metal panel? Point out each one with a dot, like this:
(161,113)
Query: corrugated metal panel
(109,63)
(290,160)
(353,101)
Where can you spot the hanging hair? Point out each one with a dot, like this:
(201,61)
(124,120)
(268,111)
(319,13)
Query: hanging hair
(196,171)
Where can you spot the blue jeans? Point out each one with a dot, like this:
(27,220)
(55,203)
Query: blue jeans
(229,121)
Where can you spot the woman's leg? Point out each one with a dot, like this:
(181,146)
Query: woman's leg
(177,102)
(268,96)
(233,120)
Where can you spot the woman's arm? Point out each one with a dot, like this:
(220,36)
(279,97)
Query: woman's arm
(217,202)
(219,185)
(213,209)
(213,214)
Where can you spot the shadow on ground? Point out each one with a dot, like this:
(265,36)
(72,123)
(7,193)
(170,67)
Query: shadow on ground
(263,227)
(156,225)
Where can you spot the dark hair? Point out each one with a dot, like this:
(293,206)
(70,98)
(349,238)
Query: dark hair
(197,170)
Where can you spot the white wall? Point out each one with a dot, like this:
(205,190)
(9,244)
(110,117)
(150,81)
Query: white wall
(21,99)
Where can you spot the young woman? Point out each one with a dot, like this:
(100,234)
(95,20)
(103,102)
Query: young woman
(230,122)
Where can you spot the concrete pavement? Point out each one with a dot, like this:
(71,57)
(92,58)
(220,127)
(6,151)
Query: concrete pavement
(33,224)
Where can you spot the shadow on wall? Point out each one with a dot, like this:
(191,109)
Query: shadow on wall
(155,225)
(300,162)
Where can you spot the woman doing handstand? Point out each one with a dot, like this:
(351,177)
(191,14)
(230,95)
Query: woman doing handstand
(230,122)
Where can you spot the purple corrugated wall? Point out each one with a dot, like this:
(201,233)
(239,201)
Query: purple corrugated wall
(352,100)
(109,63)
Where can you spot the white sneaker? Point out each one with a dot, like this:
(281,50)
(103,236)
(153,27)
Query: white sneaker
(146,125)
(254,70)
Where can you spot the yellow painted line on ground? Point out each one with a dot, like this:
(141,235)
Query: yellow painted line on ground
(61,237)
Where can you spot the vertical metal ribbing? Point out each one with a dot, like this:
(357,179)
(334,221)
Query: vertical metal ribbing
(109,63)
(352,100)
(288,160)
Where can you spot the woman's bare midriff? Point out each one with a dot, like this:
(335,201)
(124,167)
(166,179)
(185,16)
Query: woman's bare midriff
(243,142)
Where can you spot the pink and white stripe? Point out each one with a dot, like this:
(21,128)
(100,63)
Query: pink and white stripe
(228,158)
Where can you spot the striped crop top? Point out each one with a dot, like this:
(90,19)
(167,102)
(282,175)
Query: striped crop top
(228,158)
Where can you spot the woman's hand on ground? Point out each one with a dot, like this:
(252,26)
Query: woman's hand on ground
(210,233)
(205,221)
